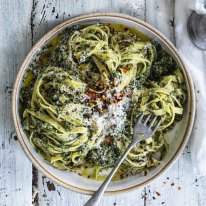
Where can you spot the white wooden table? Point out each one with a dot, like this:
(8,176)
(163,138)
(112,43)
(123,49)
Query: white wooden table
(22,23)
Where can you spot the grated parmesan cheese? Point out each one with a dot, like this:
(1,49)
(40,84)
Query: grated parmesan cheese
(112,122)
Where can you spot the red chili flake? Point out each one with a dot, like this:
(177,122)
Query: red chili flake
(89,94)
(125,69)
(108,140)
(92,95)
(158,194)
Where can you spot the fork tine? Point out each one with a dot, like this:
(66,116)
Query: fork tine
(146,120)
(140,118)
(157,125)
(152,122)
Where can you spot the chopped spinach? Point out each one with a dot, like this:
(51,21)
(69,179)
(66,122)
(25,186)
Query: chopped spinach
(104,155)
(163,65)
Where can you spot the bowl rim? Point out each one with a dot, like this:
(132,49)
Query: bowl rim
(49,34)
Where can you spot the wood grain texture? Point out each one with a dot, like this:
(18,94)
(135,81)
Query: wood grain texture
(15,42)
(160,14)
(49,13)
(22,23)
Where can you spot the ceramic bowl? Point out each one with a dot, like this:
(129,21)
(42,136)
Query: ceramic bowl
(178,136)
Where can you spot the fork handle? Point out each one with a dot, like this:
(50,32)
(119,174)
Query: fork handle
(94,200)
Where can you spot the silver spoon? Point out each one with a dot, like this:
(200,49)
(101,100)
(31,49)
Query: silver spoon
(196,27)
(141,132)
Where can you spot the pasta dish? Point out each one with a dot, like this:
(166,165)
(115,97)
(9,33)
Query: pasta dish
(83,93)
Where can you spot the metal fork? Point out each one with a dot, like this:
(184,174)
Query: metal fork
(142,131)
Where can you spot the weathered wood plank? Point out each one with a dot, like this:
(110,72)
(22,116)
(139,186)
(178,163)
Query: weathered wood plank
(47,15)
(160,14)
(15,41)
(52,194)
(178,186)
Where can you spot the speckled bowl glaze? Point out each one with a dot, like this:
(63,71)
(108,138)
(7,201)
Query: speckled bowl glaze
(178,136)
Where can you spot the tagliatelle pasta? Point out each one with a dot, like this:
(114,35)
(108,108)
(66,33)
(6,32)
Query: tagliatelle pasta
(79,109)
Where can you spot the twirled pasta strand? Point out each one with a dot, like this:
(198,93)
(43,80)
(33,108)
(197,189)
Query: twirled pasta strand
(59,123)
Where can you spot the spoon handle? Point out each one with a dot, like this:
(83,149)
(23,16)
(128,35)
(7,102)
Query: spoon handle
(94,200)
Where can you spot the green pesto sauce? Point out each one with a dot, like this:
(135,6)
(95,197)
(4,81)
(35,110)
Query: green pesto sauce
(56,53)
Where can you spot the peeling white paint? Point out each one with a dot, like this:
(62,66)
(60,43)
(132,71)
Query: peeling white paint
(177,187)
